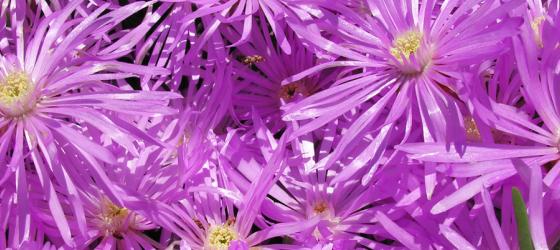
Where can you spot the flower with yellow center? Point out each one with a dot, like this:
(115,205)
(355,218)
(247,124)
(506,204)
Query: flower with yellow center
(112,219)
(15,89)
(406,44)
(220,237)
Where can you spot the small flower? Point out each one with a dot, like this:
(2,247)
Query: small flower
(258,85)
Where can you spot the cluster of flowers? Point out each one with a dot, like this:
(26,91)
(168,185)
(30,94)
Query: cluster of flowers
(279,124)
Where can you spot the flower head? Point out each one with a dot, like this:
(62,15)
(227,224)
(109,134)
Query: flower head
(53,103)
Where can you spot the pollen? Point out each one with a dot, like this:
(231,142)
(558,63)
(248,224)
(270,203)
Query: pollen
(473,134)
(249,60)
(14,87)
(406,44)
(536,25)
(220,237)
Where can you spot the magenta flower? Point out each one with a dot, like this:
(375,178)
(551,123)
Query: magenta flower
(261,67)
(530,156)
(216,215)
(408,64)
(56,101)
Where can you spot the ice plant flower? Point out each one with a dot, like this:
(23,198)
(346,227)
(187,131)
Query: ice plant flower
(218,216)
(409,61)
(115,227)
(53,101)
(347,213)
(539,152)
(260,69)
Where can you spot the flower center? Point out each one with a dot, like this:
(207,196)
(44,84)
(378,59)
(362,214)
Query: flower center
(473,134)
(112,219)
(254,59)
(220,237)
(290,91)
(406,44)
(320,207)
(14,91)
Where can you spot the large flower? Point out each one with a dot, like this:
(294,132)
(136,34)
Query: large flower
(57,102)
(538,152)
(408,60)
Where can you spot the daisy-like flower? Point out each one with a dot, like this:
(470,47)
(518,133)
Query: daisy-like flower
(55,98)
(216,215)
(261,67)
(537,153)
(114,227)
(349,214)
(411,56)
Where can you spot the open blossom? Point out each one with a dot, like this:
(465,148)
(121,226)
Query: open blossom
(55,98)
(535,157)
(410,64)
(260,68)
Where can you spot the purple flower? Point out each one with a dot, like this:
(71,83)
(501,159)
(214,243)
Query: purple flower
(493,164)
(410,65)
(261,67)
(56,105)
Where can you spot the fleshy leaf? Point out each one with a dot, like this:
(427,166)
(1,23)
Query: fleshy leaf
(522,220)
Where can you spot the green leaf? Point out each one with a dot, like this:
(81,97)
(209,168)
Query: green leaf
(522,221)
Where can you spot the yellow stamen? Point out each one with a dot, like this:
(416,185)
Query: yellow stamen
(111,218)
(220,237)
(406,44)
(14,87)
(248,60)
(536,25)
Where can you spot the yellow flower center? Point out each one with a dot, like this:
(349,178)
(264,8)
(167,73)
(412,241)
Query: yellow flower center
(14,87)
(112,219)
(15,92)
(220,237)
(406,44)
